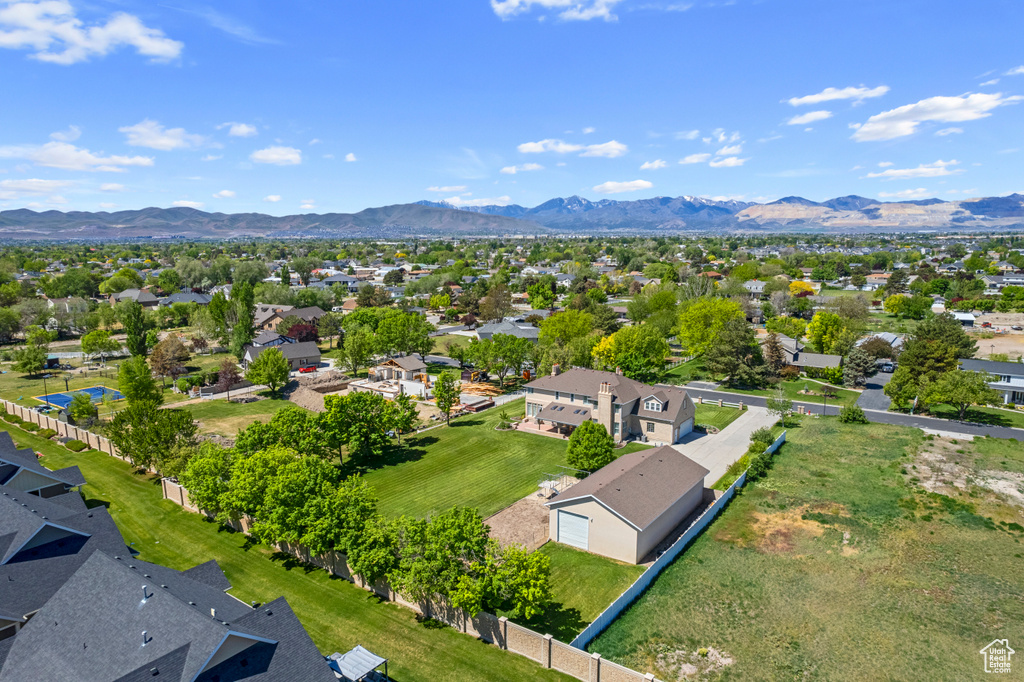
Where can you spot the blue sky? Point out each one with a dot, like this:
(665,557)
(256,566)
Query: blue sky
(311,106)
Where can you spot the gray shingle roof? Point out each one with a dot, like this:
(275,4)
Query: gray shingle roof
(640,486)
(291,351)
(587,383)
(993,367)
(25,459)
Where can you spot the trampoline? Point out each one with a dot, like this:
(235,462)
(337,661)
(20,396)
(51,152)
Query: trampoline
(95,393)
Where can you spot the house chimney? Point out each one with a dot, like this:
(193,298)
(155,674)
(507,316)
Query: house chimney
(606,387)
(556,369)
(618,370)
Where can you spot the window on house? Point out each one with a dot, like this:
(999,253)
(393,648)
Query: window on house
(529,389)
(615,428)
(1005,379)
(652,406)
(572,397)
(650,427)
(556,395)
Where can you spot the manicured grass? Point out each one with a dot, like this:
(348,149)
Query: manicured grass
(837,566)
(582,586)
(884,322)
(982,415)
(791,389)
(226,419)
(441,342)
(685,372)
(713,415)
(336,614)
(468,464)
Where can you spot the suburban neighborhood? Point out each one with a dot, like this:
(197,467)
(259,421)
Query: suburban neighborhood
(552,458)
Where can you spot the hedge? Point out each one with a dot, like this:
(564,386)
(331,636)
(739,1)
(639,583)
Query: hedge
(76,445)
(13,419)
(46,433)
(29,426)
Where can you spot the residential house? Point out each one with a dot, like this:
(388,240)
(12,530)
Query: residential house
(626,408)
(755,288)
(894,340)
(347,282)
(186,297)
(795,355)
(521,331)
(309,315)
(877,280)
(269,338)
(625,509)
(403,374)
(1009,378)
(266,311)
(965,319)
(21,471)
(141,296)
(298,355)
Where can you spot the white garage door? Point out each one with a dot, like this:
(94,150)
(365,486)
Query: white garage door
(573,529)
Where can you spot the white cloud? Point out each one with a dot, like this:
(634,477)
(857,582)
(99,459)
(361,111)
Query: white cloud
(925,170)
(948,131)
(1016,71)
(315,140)
(687,135)
(239,129)
(568,10)
(612,187)
(994,81)
(885,164)
(727,162)
(111,187)
(919,193)
(308,204)
(721,137)
(14,189)
(512,170)
(447,188)
(904,120)
(272,198)
(107,205)
(832,94)
(493,201)
(280,156)
(151,134)
(653,165)
(557,146)
(212,157)
(350,157)
(70,157)
(608,150)
(730,150)
(69,135)
(588,130)
(224,194)
(52,31)
(809,117)
(695,158)
(184,203)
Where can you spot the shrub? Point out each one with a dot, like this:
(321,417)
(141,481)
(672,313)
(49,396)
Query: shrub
(759,466)
(12,419)
(29,426)
(789,372)
(75,445)
(762,435)
(46,433)
(851,414)
(182,384)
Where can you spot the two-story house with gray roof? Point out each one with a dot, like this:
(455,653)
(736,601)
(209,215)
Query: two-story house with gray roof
(627,409)
(1009,378)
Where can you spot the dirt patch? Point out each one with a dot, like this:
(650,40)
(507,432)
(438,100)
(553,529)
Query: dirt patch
(780,532)
(217,439)
(699,662)
(307,398)
(1011,343)
(940,468)
(325,382)
(523,523)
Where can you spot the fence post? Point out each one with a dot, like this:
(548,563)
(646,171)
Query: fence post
(719,402)
(545,652)
(503,629)
(741,406)
(700,400)
(595,667)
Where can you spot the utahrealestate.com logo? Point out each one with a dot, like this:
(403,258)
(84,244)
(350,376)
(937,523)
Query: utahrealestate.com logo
(997,656)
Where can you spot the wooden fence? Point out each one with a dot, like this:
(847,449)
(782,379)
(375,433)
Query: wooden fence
(544,649)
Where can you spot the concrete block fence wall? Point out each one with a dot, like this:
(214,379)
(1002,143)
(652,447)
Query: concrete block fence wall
(63,429)
(545,650)
(616,608)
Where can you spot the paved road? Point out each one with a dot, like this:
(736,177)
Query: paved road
(716,452)
(872,398)
(930,423)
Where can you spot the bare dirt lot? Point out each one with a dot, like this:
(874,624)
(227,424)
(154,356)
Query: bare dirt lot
(523,523)
(1010,343)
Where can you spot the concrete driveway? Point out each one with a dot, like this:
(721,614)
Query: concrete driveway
(716,452)
(873,398)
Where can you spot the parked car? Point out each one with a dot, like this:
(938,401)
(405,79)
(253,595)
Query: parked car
(306,370)
(986,325)
(889,368)
(1016,328)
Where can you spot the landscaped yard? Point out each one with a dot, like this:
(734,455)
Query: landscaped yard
(224,418)
(713,415)
(468,464)
(791,389)
(336,614)
(582,586)
(983,415)
(442,342)
(839,566)
(686,372)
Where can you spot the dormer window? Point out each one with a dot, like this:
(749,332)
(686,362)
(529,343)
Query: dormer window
(652,406)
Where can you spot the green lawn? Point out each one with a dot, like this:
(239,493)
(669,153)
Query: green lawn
(792,389)
(336,614)
(582,586)
(468,464)
(837,566)
(226,419)
(884,322)
(983,415)
(441,342)
(686,372)
(713,415)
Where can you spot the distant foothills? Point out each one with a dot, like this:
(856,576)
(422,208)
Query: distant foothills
(574,215)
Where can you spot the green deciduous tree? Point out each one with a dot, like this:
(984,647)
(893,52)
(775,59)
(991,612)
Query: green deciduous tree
(136,383)
(283,514)
(82,410)
(270,369)
(207,477)
(99,343)
(337,520)
(590,447)
(133,319)
(146,434)
(778,404)
(961,389)
(250,477)
(702,320)
(640,351)
(359,422)
(824,330)
(447,391)
(357,348)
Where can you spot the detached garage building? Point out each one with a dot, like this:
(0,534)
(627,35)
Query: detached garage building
(625,509)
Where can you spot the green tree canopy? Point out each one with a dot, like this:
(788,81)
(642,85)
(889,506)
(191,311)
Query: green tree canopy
(590,447)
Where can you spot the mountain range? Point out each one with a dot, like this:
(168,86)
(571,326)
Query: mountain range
(572,215)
